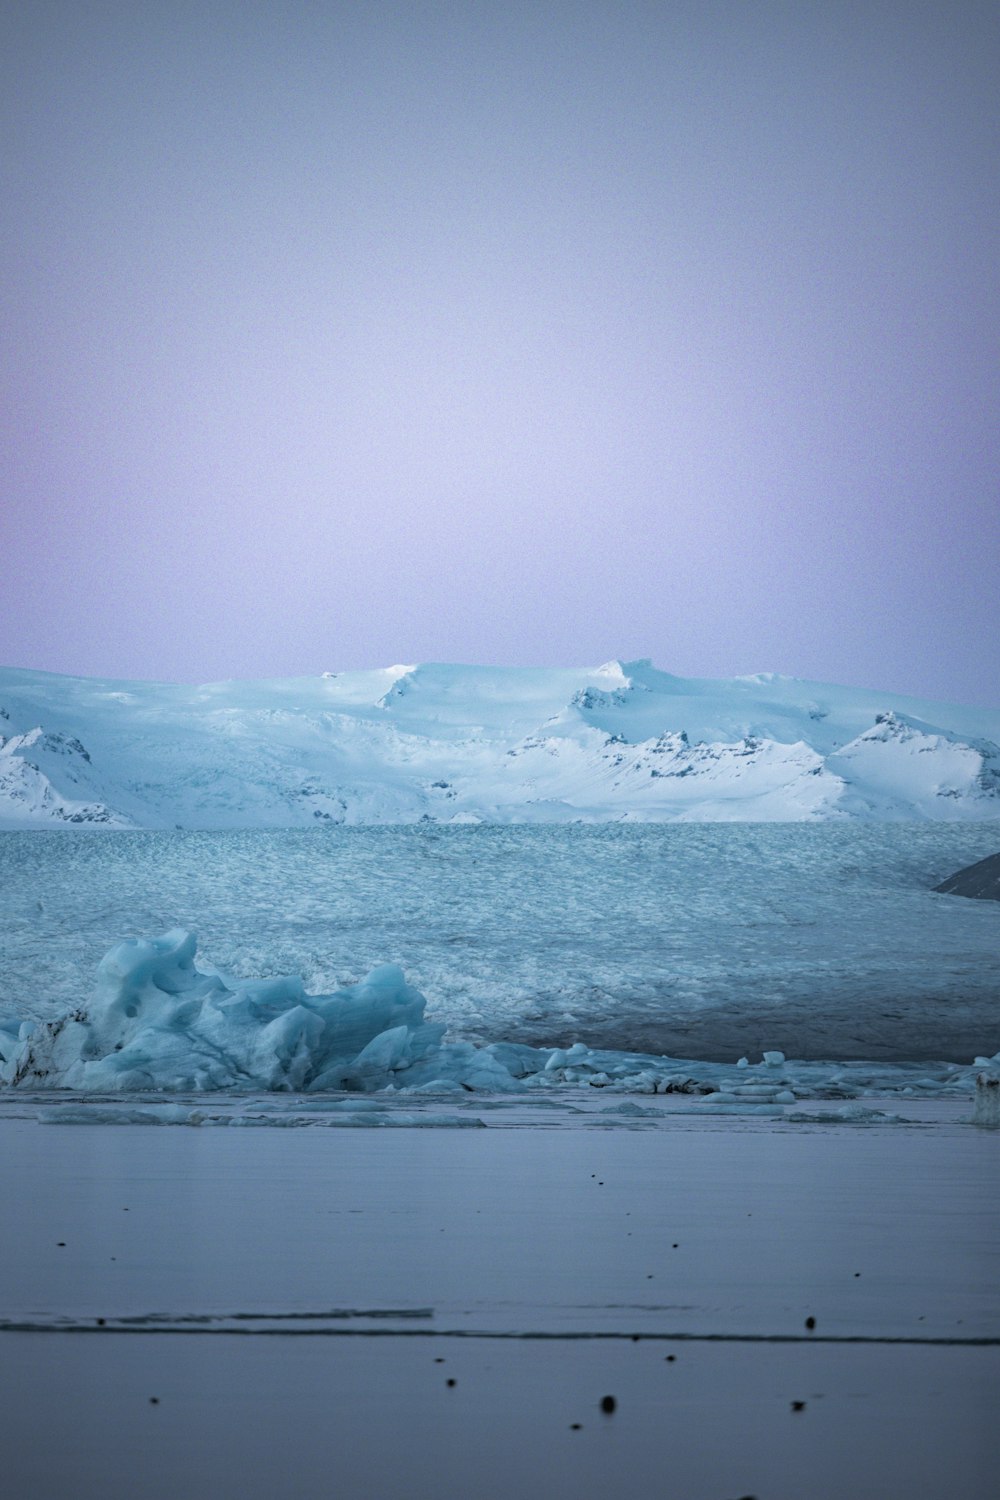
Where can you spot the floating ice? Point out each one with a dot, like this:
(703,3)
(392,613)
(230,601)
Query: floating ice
(156,1023)
(852,1114)
(162,1114)
(986,1108)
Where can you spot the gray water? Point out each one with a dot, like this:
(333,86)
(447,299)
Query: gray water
(700,940)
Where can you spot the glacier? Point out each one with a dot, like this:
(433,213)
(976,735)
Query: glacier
(452,744)
(698,940)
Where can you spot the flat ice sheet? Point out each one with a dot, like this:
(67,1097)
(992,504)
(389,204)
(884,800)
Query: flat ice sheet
(370,1419)
(678,1226)
(296,1303)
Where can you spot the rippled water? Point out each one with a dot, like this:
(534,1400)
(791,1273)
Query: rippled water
(698,940)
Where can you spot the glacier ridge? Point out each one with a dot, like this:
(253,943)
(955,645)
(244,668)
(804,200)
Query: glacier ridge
(452,744)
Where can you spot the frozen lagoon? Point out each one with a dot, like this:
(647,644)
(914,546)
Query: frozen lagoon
(255,1312)
(285,1294)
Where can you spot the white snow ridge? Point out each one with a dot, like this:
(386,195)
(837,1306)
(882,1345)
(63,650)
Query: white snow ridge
(401,744)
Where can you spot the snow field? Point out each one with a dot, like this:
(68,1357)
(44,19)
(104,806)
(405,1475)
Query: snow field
(458,744)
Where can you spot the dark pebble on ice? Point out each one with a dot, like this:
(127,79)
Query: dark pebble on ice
(61,1244)
(856,1275)
(810,1322)
(574,1427)
(670,1358)
(608,1404)
(635,1338)
(675,1246)
(798,1406)
(439,1359)
(154,1400)
(100,1322)
(451,1380)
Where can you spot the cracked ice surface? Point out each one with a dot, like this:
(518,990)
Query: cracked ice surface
(699,941)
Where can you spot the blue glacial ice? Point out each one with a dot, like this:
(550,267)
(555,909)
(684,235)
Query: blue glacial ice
(157,1023)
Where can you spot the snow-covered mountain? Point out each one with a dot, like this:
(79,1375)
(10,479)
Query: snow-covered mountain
(483,744)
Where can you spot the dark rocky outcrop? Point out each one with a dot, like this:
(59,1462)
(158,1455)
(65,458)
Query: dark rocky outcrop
(981,880)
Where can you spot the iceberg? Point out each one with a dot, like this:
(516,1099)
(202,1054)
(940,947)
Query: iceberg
(156,1022)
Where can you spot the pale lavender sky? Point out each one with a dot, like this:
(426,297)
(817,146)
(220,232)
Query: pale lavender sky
(340,334)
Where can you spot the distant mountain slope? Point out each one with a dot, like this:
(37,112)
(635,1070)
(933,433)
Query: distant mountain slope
(981,881)
(474,744)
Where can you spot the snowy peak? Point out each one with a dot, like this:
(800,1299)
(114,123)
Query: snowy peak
(457,743)
(47,779)
(400,682)
(669,778)
(903,766)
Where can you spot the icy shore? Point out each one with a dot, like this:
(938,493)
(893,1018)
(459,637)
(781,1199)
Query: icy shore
(155,1022)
